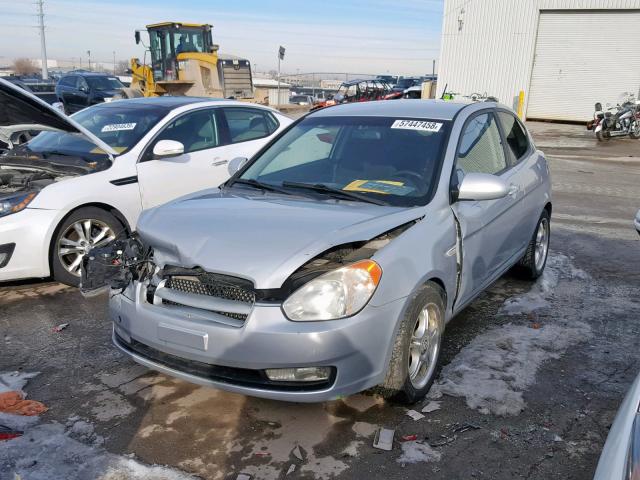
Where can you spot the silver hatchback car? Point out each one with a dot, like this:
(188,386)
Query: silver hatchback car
(331,262)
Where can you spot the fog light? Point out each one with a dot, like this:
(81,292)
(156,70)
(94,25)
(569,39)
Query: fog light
(6,251)
(303,374)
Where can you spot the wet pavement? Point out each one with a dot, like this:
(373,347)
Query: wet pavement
(558,357)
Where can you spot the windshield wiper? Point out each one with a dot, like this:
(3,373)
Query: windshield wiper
(262,186)
(322,188)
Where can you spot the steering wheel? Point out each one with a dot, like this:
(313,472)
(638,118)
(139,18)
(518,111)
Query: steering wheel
(415,178)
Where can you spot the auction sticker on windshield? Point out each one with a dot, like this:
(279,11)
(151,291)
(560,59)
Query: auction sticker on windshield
(417,125)
(117,127)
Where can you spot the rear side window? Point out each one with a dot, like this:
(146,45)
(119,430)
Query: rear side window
(516,138)
(249,124)
(480,149)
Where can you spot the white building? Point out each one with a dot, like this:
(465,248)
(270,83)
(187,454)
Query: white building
(266,91)
(565,55)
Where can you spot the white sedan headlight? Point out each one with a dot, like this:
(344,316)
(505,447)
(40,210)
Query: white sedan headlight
(337,294)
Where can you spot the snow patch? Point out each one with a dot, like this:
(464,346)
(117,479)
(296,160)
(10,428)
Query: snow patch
(494,370)
(415,452)
(15,381)
(47,451)
(558,266)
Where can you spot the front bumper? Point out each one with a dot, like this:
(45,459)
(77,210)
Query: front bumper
(30,230)
(221,356)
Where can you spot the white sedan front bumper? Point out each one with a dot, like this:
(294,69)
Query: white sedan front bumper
(30,230)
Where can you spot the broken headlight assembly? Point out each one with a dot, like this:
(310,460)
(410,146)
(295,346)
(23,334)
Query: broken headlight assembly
(15,203)
(115,266)
(340,293)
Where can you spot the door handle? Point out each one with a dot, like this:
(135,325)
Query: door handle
(219,162)
(513,191)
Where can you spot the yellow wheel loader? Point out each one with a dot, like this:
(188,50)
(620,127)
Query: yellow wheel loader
(184,61)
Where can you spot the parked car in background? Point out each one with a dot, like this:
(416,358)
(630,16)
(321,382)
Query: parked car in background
(301,100)
(78,90)
(86,182)
(620,458)
(347,245)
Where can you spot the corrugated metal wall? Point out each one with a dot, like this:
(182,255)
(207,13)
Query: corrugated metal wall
(488,45)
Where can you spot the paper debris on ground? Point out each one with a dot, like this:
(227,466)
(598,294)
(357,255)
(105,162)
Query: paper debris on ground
(431,407)
(415,452)
(60,327)
(292,468)
(415,415)
(383,439)
(297,453)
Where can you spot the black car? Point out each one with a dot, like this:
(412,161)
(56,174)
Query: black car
(78,90)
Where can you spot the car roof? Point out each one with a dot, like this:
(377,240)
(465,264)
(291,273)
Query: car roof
(81,73)
(427,109)
(173,103)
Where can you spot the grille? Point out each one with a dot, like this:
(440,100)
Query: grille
(205,285)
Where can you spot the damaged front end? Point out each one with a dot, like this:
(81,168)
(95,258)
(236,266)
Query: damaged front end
(115,266)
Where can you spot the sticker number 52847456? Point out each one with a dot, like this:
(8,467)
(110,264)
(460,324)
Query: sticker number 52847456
(417,125)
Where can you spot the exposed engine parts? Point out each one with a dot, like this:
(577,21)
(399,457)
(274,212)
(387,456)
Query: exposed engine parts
(13,180)
(115,266)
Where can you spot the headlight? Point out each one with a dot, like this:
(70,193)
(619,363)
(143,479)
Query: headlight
(15,204)
(337,294)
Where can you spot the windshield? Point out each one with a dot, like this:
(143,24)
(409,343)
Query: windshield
(104,83)
(119,126)
(407,82)
(394,160)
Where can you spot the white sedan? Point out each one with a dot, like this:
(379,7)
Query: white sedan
(86,182)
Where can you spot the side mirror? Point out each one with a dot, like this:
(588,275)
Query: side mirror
(137,37)
(236,164)
(482,186)
(167,149)
(58,106)
(84,89)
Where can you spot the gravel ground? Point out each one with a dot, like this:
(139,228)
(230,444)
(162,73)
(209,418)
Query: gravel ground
(531,377)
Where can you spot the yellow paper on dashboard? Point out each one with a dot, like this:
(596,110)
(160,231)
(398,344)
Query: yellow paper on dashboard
(384,187)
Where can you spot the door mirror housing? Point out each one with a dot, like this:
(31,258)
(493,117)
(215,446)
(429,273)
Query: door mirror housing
(481,186)
(236,164)
(167,149)
(84,89)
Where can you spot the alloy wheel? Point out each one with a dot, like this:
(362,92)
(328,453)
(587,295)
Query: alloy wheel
(542,244)
(425,346)
(80,237)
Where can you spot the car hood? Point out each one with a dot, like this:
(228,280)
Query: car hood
(260,237)
(18,106)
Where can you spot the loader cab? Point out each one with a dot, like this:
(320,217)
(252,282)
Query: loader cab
(168,40)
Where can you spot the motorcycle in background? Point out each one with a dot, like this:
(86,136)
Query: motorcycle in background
(618,121)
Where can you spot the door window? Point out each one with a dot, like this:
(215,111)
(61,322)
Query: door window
(515,136)
(196,131)
(249,124)
(480,149)
(68,82)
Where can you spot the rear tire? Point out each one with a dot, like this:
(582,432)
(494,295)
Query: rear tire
(534,260)
(419,339)
(70,244)
(635,130)
(601,137)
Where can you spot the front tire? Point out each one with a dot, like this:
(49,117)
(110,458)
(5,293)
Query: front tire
(416,350)
(534,260)
(84,229)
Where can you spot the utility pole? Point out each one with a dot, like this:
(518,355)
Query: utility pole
(43,41)
(114,62)
(89,59)
(280,57)
(433,70)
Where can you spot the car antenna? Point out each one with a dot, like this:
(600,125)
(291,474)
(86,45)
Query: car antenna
(444,91)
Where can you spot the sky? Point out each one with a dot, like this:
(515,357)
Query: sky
(356,36)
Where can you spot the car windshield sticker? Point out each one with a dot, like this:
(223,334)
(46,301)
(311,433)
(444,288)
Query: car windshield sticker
(385,187)
(417,125)
(117,127)
(99,151)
